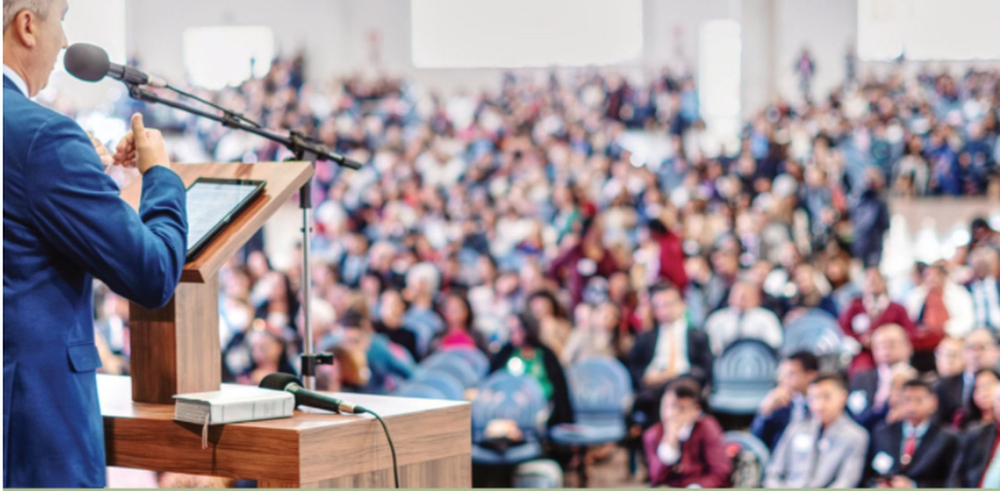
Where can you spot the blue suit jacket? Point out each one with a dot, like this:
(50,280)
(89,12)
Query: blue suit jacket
(770,428)
(64,225)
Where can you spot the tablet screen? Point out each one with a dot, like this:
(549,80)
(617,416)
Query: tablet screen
(211,203)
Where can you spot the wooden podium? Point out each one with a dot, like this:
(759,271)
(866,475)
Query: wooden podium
(175,349)
(309,450)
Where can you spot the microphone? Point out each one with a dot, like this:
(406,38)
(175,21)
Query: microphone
(90,63)
(305,397)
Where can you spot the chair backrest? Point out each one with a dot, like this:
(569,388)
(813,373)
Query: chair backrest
(750,457)
(476,359)
(419,390)
(541,473)
(747,365)
(517,398)
(599,385)
(470,365)
(748,441)
(818,333)
(443,380)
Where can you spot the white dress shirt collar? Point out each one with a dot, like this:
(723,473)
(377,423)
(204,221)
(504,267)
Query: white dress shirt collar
(18,81)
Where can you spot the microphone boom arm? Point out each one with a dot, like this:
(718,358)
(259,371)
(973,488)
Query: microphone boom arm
(297,143)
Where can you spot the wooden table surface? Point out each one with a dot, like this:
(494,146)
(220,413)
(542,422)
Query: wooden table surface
(313,448)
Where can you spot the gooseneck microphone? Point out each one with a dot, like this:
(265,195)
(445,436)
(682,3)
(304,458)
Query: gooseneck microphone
(305,397)
(90,63)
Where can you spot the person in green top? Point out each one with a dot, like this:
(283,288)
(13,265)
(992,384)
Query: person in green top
(526,355)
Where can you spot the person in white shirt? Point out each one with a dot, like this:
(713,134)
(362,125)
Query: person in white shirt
(985,287)
(743,319)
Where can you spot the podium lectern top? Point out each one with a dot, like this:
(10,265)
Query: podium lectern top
(283,180)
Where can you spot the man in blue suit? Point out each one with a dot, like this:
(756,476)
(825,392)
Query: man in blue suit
(64,225)
(787,403)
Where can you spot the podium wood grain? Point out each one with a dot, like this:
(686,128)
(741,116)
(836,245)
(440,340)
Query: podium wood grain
(175,349)
(311,449)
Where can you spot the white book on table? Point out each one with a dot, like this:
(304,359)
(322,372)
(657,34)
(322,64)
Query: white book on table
(233,405)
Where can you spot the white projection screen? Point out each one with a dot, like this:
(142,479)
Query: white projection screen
(524,33)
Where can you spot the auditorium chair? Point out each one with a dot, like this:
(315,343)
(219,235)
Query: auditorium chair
(601,394)
(742,377)
(819,333)
(507,397)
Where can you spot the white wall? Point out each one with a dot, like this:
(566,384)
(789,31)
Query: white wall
(826,28)
(156,29)
(337,37)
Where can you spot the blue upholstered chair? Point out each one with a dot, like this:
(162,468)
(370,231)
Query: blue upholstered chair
(742,377)
(520,399)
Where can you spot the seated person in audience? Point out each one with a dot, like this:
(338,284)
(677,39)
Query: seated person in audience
(384,365)
(459,332)
(390,324)
(892,411)
(978,461)
(938,308)
(980,351)
(423,281)
(825,451)
(686,448)
(918,451)
(594,332)
(865,314)
(985,287)
(948,359)
(743,319)
(673,348)
(267,355)
(870,389)
(526,355)
(787,403)
(808,294)
(980,412)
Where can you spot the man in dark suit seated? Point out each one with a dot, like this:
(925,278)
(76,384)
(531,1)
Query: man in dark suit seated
(686,449)
(916,452)
(787,402)
(869,390)
(955,392)
(672,349)
(978,463)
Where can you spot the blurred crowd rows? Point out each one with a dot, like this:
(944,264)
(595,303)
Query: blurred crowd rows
(519,223)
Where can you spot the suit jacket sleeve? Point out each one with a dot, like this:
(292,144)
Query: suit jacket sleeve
(640,357)
(774,474)
(719,467)
(853,466)
(650,441)
(700,356)
(767,428)
(77,208)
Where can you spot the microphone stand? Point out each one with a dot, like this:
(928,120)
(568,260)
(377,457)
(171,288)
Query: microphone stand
(304,150)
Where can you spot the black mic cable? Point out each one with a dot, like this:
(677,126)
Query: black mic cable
(290,383)
(392,448)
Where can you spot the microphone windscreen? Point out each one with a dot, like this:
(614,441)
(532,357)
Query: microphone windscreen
(86,62)
(278,381)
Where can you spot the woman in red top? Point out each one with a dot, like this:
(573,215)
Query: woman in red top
(872,310)
(687,447)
